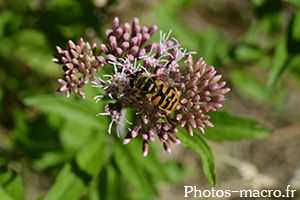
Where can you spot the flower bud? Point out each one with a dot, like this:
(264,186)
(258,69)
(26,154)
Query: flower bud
(167,147)
(126,28)
(104,48)
(145,148)
(174,139)
(115,23)
(127,138)
(60,51)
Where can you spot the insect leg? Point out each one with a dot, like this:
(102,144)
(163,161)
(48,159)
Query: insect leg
(164,116)
(176,91)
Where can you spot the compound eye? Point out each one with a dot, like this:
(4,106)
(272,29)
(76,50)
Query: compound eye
(131,76)
(132,83)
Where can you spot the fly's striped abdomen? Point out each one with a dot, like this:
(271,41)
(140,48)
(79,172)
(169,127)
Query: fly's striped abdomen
(165,98)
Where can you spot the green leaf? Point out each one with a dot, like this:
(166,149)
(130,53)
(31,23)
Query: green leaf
(109,180)
(227,127)
(67,185)
(296,26)
(50,160)
(286,55)
(269,14)
(247,52)
(74,178)
(198,144)
(11,185)
(91,157)
(31,48)
(278,72)
(296,77)
(35,137)
(73,136)
(293,2)
(40,198)
(4,195)
(150,163)
(279,61)
(130,168)
(208,43)
(77,113)
(248,85)
(257,3)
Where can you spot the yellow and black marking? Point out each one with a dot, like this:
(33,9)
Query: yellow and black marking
(165,97)
(156,91)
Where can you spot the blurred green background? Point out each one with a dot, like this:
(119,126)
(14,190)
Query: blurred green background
(56,148)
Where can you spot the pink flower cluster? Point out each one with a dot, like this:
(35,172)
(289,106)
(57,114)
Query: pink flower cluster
(129,51)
